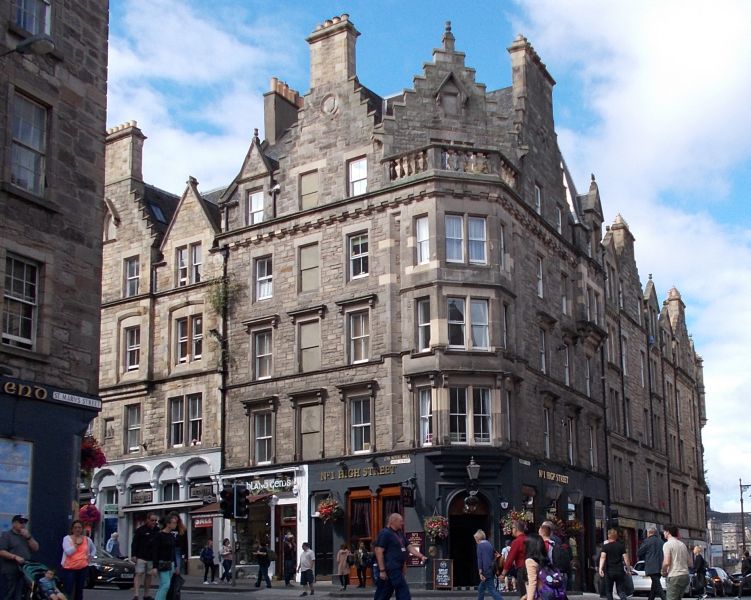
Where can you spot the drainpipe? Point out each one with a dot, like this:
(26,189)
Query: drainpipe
(224,358)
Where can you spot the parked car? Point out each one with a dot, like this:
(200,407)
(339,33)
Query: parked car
(643,583)
(106,569)
(723,585)
(741,584)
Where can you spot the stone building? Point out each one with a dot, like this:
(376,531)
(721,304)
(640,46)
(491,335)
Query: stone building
(409,285)
(52,106)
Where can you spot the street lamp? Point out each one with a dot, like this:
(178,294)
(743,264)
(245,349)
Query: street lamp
(38,45)
(473,470)
(473,473)
(743,488)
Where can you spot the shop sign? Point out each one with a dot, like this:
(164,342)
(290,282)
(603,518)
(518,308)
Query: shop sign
(23,389)
(552,476)
(204,491)
(416,539)
(203,522)
(141,496)
(271,485)
(110,509)
(408,496)
(358,472)
(443,574)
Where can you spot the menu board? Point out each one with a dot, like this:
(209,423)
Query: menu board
(417,539)
(443,574)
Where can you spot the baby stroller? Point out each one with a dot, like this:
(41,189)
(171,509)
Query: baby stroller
(33,572)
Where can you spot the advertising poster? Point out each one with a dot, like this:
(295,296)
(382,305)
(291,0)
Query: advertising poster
(15,479)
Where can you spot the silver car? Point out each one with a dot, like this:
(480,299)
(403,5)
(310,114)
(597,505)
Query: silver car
(642,582)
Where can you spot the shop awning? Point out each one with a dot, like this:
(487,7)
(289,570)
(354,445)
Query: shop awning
(258,497)
(212,508)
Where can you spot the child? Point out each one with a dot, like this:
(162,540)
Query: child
(48,585)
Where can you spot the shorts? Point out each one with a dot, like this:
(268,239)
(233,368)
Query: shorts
(143,566)
(307,577)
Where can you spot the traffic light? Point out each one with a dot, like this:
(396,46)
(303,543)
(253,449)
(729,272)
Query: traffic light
(226,501)
(613,520)
(241,501)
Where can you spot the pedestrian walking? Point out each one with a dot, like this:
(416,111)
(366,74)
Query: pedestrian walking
(650,552)
(207,559)
(343,557)
(485,567)
(16,546)
(141,555)
(78,550)
(536,560)
(517,555)
(675,563)
(262,556)
(227,556)
(289,552)
(700,574)
(113,545)
(508,580)
(163,555)
(180,533)
(613,563)
(391,551)
(362,561)
(306,568)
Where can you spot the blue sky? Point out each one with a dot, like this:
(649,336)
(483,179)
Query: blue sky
(651,96)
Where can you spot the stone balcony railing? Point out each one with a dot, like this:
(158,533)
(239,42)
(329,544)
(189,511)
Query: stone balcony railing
(456,159)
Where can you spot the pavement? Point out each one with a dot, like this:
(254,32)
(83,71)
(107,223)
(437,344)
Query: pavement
(333,590)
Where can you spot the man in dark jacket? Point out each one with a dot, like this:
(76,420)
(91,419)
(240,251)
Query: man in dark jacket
(141,553)
(650,552)
(700,572)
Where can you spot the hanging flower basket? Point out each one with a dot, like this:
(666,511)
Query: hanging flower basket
(92,456)
(513,515)
(437,527)
(89,513)
(330,510)
(574,527)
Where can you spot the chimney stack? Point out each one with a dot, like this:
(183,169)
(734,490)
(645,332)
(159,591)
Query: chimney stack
(332,51)
(280,106)
(123,157)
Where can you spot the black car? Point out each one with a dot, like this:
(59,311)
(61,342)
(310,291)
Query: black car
(106,569)
(742,585)
(721,581)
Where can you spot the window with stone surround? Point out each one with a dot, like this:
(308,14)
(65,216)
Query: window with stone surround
(502,245)
(189,338)
(542,349)
(309,344)
(262,354)
(423,324)
(477,240)
(131,275)
(360,423)
(29,144)
(546,432)
(358,326)
(454,226)
(170,491)
(538,199)
(425,404)
(263,434)
(132,351)
(570,440)
(477,335)
(185,420)
(20,302)
(540,274)
(592,448)
(254,209)
(132,428)
(32,15)
(309,190)
(422,240)
(470,422)
(357,171)
(309,276)
(188,263)
(264,276)
(358,255)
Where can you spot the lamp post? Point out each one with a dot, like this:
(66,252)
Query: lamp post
(743,488)
(473,473)
(38,45)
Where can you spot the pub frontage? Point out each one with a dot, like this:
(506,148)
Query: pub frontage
(350,500)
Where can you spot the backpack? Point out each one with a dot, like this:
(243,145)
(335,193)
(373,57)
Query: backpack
(271,555)
(552,585)
(561,558)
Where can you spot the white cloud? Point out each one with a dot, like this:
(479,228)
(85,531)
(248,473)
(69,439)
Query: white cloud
(668,84)
(194,81)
